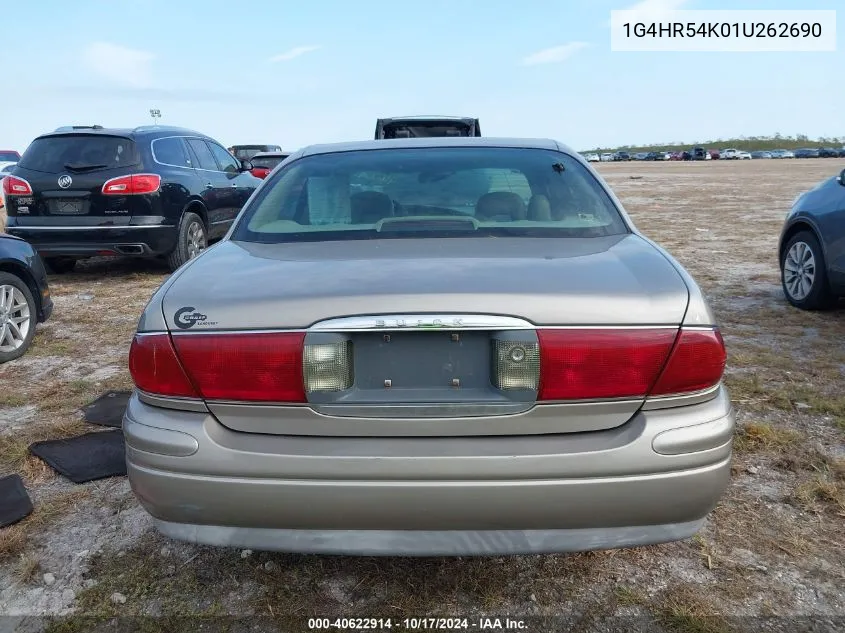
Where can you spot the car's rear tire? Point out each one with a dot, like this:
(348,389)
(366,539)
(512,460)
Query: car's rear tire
(18,317)
(191,241)
(60,265)
(803,273)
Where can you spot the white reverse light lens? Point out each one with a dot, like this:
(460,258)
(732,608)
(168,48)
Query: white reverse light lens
(516,365)
(327,366)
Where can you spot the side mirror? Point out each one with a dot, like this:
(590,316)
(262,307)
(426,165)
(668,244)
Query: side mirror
(246,165)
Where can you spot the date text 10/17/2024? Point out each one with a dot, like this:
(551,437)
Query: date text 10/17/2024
(416,624)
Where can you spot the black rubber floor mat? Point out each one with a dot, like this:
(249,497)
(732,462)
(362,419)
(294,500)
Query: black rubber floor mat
(107,410)
(86,457)
(15,503)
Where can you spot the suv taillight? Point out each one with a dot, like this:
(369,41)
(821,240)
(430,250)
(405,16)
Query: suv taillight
(133,184)
(14,186)
(586,364)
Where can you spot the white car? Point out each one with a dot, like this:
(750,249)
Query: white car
(730,154)
(7,165)
(607,157)
(743,155)
(592,158)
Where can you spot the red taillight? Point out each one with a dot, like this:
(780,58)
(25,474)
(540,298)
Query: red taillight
(581,364)
(14,186)
(697,363)
(132,185)
(156,369)
(628,363)
(260,172)
(249,367)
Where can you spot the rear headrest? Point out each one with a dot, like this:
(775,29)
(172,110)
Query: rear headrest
(368,207)
(503,206)
(401,133)
(539,209)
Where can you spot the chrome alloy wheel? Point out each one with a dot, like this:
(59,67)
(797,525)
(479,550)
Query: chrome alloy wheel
(799,270)
(15,318)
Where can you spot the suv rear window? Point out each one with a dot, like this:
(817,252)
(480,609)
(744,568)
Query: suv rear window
(79,152)
(246,152)
(432,192)
(268,162)
(8,157)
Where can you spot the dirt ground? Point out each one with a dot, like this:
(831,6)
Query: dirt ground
(772,549)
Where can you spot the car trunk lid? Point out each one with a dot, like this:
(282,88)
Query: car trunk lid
(442,336)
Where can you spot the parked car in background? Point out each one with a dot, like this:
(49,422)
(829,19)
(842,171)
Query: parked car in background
(622,155)
(654,156)
(607,157)
(729,154)
(246,152)
(761,154)
(592,157)
(812,246)
(743,155)
(511,374)
(9,156)
(665,155)
(714,154)
(806,152)
(264,163)
(24,296)
(828,152)
(151,191)
(640,156)
(842,152)
(698,153)
(426,127)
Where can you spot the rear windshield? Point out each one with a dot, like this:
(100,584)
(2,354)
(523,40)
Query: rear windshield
(79,152)
(267,161)
(8,157)
(432,192)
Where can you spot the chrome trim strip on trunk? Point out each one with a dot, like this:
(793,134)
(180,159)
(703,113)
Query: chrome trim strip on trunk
(422,322)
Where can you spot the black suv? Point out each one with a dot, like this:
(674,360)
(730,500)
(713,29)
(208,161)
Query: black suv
(151,191)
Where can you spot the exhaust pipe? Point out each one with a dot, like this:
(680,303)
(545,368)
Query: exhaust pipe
(130,249)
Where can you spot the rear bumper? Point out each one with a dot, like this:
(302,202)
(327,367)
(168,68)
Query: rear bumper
(89,241)
(430,496)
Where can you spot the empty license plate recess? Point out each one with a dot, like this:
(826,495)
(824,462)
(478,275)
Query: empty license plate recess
(67,206)
(422,360)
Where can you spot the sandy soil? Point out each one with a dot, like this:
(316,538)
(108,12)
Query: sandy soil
(773,547)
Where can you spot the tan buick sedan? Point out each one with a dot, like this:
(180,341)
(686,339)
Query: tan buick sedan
(444,346)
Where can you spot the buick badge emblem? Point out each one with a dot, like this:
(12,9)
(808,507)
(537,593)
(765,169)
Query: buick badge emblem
(65,181)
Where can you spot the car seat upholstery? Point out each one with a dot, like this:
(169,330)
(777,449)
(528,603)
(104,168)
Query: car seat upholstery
(539,209)
(368,207)
(500,206)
